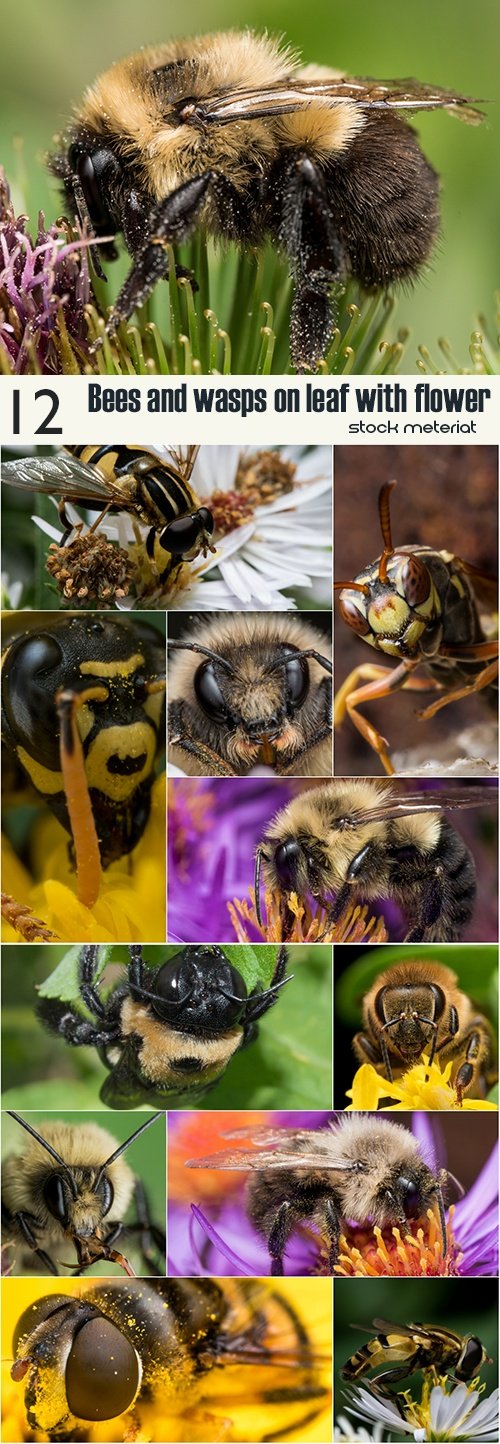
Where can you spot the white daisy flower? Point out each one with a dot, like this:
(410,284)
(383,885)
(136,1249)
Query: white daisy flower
(345,1433)
(285,544)
(454,1416)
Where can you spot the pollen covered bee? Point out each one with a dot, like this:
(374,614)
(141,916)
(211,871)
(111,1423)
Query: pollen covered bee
(417,1007)
(351,840)
(155,490)
(353,1171)
(413,1347)
(424,608)
(251,689)
(153,1351)
(165,1033)
(83,717)
(72,1186)
(232,133)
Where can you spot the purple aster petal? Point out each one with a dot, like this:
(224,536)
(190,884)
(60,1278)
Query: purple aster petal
(220,1244)
(475,1223)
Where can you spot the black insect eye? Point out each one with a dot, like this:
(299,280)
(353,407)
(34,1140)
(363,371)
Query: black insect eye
(287,859)
(91,170)
(106,1193)
(412,1198)
(31,674)
(209,694)
(102,1372)
(206,519)
(55,1197)
(171,984)
(181,535)
(297,680)
(471,1359)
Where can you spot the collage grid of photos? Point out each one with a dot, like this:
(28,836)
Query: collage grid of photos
(249,771)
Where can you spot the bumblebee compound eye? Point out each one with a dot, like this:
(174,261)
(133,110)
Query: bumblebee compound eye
(471,1358)
(287,860)
(353,614)
(415,581)
(92,169)
(296,680)
(411,1196)
(208,693)
(32,672)
(103,1372)
(54,1194)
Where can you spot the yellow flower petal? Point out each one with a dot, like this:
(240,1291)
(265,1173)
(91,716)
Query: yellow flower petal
(424,1087)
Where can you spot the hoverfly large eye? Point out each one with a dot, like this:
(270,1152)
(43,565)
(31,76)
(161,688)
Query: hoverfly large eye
(352,615)
(209,694)
(206,519)
(471,1358)
(102,1372)
(415,581)
(297,680)
(181,535)
(31,674)
(55,1197)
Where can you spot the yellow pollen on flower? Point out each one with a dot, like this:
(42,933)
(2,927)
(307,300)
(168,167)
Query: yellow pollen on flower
(425,1086)
(381,1253)
(310,925)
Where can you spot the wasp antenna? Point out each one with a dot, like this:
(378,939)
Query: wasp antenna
(123,1146)
(385,527)
(352,587)
(48,1148)
(81,817)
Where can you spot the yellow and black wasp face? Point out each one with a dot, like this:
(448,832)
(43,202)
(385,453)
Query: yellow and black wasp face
(109,673)
(394,602)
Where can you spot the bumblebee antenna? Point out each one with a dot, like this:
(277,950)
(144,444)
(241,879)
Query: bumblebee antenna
(204,652)
(258,867)
(48,1149)
(113,1156)
(385,527)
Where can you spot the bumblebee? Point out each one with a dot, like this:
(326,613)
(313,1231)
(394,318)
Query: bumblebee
(167,1033)
(422,607)
(354,1170)
(251,689)
(230,132)
(414,1347)
(83,716)
(73,1185)
(417,1007)
(349,840)
(126,478)
(119,1347)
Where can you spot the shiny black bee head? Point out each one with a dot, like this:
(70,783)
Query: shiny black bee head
(197,992)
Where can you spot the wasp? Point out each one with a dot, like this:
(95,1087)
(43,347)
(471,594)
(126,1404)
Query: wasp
(422,607)
(116,1346)
(414,1347)
(83,718)
(133,479)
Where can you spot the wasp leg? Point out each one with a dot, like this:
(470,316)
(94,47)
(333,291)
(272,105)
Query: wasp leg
(170,222)
(81,817)
(179,725)
(381,681)
(483,679)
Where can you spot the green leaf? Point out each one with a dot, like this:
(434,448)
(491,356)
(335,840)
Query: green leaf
(474,965)
(256,964)
(64,982)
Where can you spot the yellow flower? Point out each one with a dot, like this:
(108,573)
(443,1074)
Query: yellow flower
(131,890)
(423,1087)
(386,1253)
(310,926)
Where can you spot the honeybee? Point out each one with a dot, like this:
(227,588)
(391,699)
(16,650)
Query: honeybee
(230,132)
(120,1347)
(126,478)
(422,607)
(417,1007)
(165,1033)
(363,839)
(72,1185)
(249,689)
(414,1347)
(356,1169)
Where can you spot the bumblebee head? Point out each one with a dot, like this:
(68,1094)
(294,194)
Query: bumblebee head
(198,992)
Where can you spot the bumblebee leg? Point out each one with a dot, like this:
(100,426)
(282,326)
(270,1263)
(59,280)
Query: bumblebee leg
(307,235)
(179,736)
(81,817)
(433,888)
(23,1223)
(484,679)
(476,1045)
(170,222)
(384,680)
(332,1227)
(150,1236)
(365,1050)
(283,1226)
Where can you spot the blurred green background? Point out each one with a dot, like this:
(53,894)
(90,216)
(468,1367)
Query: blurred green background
(146,1158)
(50,54)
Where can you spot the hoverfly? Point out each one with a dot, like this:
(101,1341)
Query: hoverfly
(134,479)
(414,1347)
(423,607)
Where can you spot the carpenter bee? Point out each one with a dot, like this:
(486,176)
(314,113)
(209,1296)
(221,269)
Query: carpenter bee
(118,1346)
(250,689)
(83,715)
(126,478)
(363,839)
(171,1032)
(72,1185)
(415,1346)
(230,132)
(421,606)
(354,1170)
(417,1007)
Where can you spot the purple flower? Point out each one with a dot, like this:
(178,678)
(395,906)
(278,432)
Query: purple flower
(44,288)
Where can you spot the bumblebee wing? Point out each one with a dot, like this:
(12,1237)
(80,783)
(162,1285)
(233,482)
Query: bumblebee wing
(280,1157)
(61,475)
(296,94)
(446,800)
